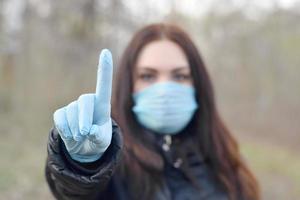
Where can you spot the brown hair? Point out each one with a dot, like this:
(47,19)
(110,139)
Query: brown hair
(142,163)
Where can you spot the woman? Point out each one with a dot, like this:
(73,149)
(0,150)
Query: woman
(174,144)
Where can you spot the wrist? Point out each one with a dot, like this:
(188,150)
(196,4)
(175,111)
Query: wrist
(86,158)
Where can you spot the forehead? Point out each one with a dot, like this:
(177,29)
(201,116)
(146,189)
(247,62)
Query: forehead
(162,54)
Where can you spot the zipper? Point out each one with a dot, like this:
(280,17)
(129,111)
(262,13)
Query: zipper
(166,146)
(167,143)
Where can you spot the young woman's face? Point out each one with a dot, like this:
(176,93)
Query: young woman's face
(161,61)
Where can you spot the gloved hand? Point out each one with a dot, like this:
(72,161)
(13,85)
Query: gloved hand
(85,124)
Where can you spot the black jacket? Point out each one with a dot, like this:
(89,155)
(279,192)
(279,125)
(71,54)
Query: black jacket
(69,179)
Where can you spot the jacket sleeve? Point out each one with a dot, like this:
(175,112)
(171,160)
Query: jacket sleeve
(69,179)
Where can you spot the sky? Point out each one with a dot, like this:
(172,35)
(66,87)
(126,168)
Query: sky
(12,9)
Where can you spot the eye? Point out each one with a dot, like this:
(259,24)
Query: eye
(147,77)
(181,77)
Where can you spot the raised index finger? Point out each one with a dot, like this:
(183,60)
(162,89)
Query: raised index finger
(104,81)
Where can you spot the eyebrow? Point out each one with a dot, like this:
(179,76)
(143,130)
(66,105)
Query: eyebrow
(180,69)
(154,70)
(146,68)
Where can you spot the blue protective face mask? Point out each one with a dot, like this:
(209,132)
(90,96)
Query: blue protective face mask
(165,108)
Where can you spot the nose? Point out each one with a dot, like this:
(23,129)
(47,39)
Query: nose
(163,78)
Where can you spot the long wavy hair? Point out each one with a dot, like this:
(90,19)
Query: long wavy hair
(142,163)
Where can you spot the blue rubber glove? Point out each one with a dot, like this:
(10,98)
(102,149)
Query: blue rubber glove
(85,124)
